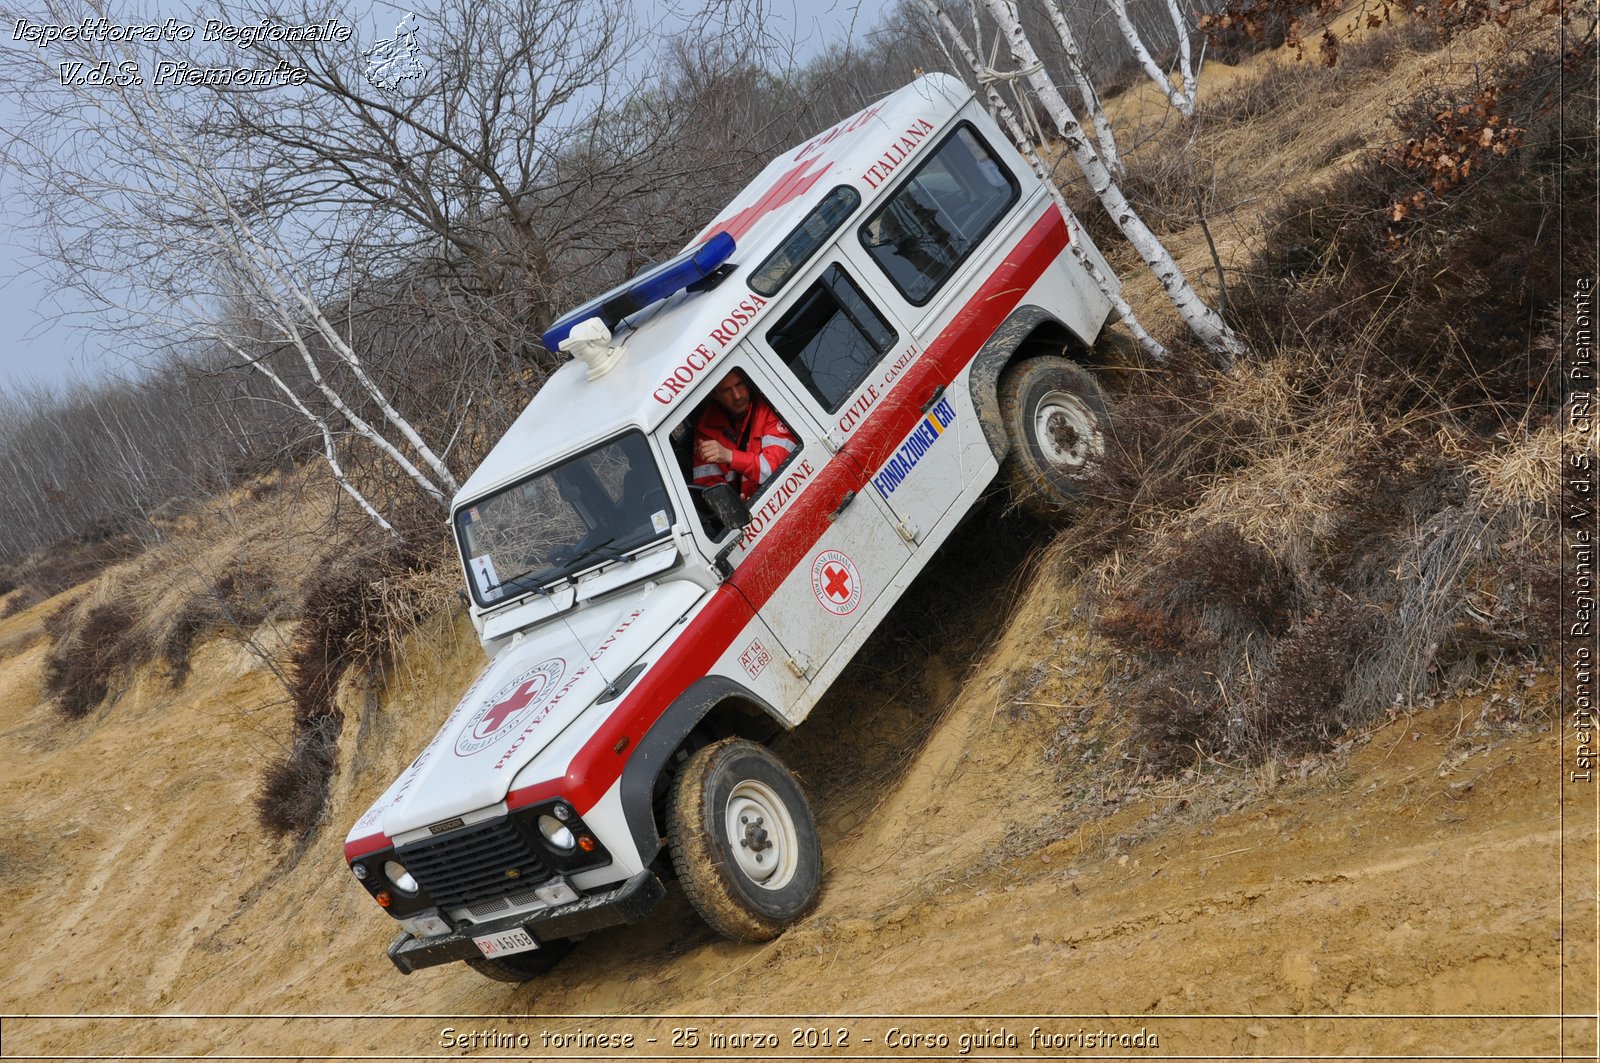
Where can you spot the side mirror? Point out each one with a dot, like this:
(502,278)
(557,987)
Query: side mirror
(728,507)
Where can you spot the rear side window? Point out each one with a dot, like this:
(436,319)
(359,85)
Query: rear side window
(805,241)
(941,213)
(831,338)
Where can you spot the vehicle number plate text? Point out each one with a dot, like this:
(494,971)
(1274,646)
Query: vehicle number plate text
(506,942)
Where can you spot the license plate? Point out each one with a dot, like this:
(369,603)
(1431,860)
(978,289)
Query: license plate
(506,942)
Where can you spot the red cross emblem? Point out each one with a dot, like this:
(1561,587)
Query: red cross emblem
(515,703)
(500,711)
(838,582)
(788,187)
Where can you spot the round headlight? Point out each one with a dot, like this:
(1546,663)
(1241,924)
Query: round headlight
(556,833)
(396,873)
(360,872)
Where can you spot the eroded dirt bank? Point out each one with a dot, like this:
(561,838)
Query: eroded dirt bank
(1004,867)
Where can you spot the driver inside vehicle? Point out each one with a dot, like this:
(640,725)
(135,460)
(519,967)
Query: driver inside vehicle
(739,439)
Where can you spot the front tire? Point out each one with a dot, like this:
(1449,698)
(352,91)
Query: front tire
(1058,420)
(743,841)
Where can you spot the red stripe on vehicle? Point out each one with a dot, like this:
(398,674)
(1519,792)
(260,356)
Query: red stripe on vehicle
(598,765)
(356,849)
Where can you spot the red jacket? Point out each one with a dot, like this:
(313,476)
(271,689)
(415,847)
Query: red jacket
(760,443)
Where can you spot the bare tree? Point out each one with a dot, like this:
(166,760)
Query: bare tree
(1203,321)
(349,231)
(997,104)
(1078,70)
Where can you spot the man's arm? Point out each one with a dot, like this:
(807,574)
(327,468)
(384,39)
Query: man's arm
(772,441)
(711,463)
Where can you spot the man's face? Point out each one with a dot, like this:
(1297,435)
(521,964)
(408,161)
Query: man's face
(733,394)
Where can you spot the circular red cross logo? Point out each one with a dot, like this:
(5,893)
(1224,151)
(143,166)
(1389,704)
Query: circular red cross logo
(508,707)
(835,582)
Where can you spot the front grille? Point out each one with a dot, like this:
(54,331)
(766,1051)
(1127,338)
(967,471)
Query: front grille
(520,898)
(472,865)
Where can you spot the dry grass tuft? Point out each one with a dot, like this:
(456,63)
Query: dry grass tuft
(294,790)
(1529,469)
(358,608)
(95,639)
(77,560)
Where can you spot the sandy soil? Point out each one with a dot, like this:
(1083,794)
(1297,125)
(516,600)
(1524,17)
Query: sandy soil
(993,868)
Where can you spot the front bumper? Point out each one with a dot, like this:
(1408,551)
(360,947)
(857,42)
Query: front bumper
(628,903)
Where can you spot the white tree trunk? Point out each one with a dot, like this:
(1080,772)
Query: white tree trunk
(329,452)
(267,278)
(1201,319)
(1186,67)
(1182,99)
(1091,99)
(1110,287)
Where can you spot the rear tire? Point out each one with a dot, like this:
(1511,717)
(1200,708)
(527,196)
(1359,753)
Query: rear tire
(522,966)
(743,841)
(1058,421)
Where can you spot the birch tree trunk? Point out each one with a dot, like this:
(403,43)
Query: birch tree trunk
(1091,99)
(1181,98)
(1186,67)
(330,452)
(1201,319)
(1110,287)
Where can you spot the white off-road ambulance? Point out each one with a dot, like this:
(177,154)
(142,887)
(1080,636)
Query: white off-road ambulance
(903,296)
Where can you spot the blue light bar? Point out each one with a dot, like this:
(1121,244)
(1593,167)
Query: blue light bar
(651,286)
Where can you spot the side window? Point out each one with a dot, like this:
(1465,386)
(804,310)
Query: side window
(935,220)
(750,443)
(831,338)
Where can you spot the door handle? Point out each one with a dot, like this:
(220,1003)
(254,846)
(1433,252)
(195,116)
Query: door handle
(933,400)
(844,503)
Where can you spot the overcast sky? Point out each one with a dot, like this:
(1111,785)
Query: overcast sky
(37,349)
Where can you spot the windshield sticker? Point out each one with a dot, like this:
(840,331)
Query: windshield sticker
(489,588)
(658,521)
(921,440)
(835,582)
(502,711)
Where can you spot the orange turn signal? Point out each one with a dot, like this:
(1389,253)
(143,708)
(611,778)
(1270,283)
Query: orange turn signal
(586,843)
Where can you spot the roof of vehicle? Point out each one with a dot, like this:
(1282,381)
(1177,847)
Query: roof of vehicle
(571,412)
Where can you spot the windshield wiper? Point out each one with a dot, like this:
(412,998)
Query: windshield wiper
(601,549)
(547,576)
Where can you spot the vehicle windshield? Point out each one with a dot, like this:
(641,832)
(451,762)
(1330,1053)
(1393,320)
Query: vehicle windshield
(599,506)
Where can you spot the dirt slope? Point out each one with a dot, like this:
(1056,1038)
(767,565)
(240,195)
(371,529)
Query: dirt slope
(1009,866)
